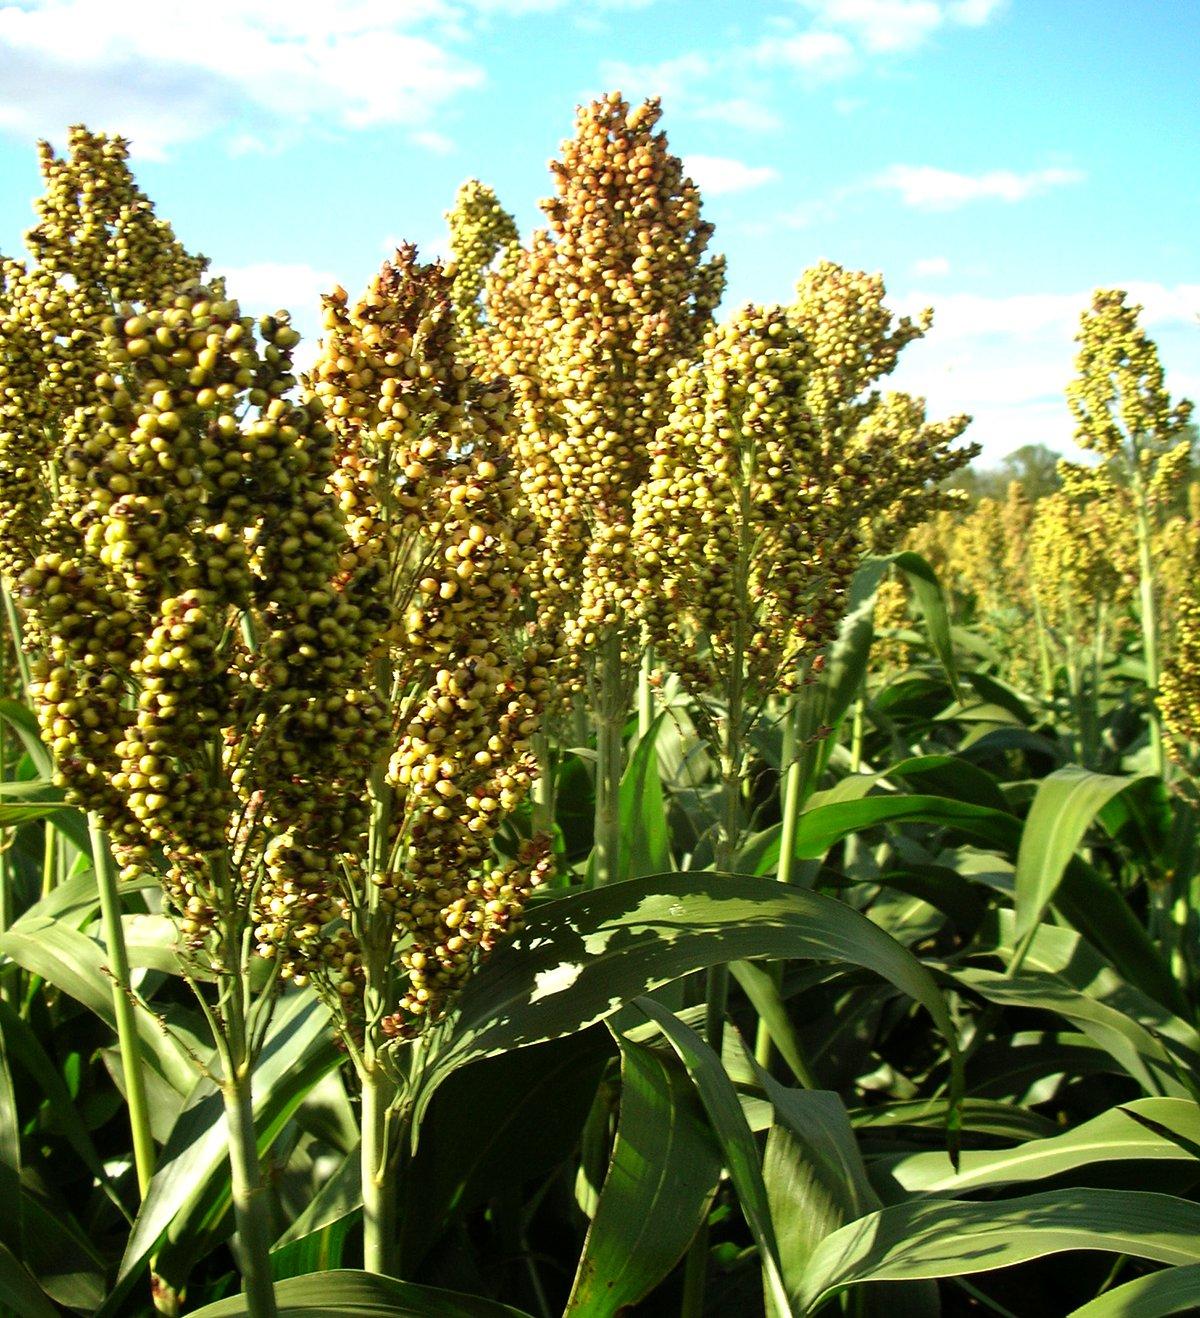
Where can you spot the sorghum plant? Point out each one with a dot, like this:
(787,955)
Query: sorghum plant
(480,231)
(430,497)
(587,326)
(1082,568)
(173,551)
(1124,415)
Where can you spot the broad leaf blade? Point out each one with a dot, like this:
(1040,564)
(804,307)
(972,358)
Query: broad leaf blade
(352,1294)
(951,1238)
(661,1178)
(1066,803)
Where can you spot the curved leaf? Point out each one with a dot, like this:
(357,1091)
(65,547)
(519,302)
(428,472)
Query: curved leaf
(22,1295)
(952,1238)
(1112,1136)
(927,591)
(728,1121)
(1174,1290)
(1066,803)
(661,1179)
(581,957)
(298,1052)
(350,1294)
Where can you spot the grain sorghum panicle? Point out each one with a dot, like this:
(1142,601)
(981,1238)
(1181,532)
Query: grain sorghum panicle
(97,244)
(480,231)
(427,484)
(747,528)
(588,324)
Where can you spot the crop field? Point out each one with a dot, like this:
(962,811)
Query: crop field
(565,796)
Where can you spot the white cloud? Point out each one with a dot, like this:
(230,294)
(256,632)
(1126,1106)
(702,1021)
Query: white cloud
(1007,360)
(672,79)
(885,26)
(163,74)
(925,187)
(931,267)
(265,286)
(973,13)
(817,54)
(718,175)
(738,112)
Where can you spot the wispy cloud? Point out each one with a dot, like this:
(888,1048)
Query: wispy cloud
(1007,359)
(931,267)
(897,25)
(740,112)
(160,74)
(719,175)
(925,187)
(816,54)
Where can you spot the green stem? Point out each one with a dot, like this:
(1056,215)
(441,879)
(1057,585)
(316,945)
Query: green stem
(378,1184)
(123,1007)
(541,795)
(1043,648)
(249,1192)
(645,694)
(610,750)
(14,627)
(1149,621)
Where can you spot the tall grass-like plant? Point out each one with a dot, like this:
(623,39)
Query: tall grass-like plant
(587,324)
(456,687)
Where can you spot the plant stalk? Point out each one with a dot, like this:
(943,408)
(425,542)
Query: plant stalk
(123,1008)
(249,1192)
(610,715)
(378,1184)
(1149,621)
(645,694)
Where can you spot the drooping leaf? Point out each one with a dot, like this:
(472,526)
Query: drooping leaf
(953,1238)
(537,1098)
(661,1178)
(1173,1290)
(1064,806)
(579,958)
(720,1100)
(1113,1136)
(77,965)
(350,1294)
(22,1295)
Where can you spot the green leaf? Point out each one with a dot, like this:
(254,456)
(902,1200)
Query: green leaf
(23,1297)
(1173,1290)
(23,722)
(1113,1136)
(927,591)
(193,1165)
(979,1116)
(348,1294)
(77,965)
(814,1174)
(1141,1053)
(645,841)
(764,997)
(951,777)
(580,957)
(1066,803)
(824,825)
(661,1179)
(949,1238)
(538,1100)
(728,1121)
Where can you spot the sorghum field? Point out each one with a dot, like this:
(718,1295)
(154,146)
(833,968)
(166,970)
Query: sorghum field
(577,803)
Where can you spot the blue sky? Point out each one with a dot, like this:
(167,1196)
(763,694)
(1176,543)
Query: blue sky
(996,159)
